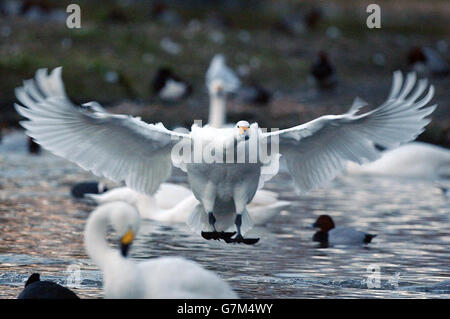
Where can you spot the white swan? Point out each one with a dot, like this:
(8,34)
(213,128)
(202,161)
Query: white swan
(412,160)
(164,277)
(122,147)
(220,81)
(264,206)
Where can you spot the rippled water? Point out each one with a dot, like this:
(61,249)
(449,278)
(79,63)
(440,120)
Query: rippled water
(41,230)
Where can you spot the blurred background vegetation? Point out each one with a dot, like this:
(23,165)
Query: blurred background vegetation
(121,44)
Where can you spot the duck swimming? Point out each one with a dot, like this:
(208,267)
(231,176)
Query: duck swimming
(331,235)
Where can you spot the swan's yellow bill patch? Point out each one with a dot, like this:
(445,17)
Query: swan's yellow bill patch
(243,129)
(127,238)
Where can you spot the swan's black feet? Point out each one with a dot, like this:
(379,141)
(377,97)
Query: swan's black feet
(239,239)
(218,235)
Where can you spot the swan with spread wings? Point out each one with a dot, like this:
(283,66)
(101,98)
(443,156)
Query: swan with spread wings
(124,148)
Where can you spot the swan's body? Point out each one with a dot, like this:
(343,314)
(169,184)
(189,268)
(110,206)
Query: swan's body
(262,208)
(220,81)
(121,147)
(165,277)
(412,160)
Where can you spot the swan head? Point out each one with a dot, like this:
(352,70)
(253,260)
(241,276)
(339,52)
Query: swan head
(243,129)
(125,220)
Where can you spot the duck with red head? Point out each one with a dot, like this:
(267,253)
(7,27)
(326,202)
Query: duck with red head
(331,235)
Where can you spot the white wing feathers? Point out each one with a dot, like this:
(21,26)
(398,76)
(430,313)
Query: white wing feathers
(119,147)
(317,151)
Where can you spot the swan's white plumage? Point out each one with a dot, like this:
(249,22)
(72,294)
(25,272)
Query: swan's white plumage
(264,206)
(219,71)
(121,147)
(118,147)
(412,160)
(317,151)
(165,277)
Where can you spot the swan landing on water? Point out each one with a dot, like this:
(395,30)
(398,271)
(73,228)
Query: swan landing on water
(124,148)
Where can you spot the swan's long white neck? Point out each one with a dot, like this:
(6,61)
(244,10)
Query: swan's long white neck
(94,238)
(217,110)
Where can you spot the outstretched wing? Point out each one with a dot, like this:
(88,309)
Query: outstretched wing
(317,151)
(119,147)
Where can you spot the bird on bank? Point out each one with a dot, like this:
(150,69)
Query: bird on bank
(225,166)
(323,73)
(162,278)
(80,190)
(169,87)
(37,289)
(427,61)
(328,234)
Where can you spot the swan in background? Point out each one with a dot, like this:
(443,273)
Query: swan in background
(331,235)
(169,87)
(262,209)
(412,160)
(37,289)
(220,81)
(124,148)
(163,277)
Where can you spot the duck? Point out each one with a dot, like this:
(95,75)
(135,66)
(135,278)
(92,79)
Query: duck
(426,60)
(33,147)
(225,166)
(255,94)
(169,87)
(80,190)
(37,289)
(322,72)
(162,277)
(415,160)
(160,207)
(331,235)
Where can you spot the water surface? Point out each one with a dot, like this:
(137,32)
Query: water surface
(41,230)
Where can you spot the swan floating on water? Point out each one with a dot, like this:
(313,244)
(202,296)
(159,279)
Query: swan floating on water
(121,147)
(264,206)
(412,160)
(163,277)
